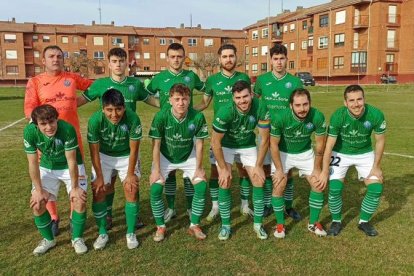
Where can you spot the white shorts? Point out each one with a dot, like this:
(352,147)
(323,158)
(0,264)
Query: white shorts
(268,158)
(213,159)
(247,157)
(340,164)
(115,165)
(51,180)
(304,162)
(188,167)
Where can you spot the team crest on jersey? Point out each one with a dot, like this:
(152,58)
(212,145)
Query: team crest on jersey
(124,127)
(191,127)
(331,171)
(252,119)
(288,85)
(383,125)
(58,142)
(131,88)
(367,124)
(309,126)
(187,79)
(26,144)
(66,83)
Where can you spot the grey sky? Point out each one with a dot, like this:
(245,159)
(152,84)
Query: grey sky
(225,14)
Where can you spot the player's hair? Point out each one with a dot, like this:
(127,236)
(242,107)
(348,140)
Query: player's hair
(118,52)
(278,49)
(44,112)
(181,89)
(51,47)
(299,92)
(113,97)
(175,46)
(241,85)
(227,47)
(353,88)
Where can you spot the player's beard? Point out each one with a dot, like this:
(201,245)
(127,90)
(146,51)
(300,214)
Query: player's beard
(229,66)
(301,115)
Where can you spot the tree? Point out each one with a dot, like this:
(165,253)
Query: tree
(82,64)
(206,64)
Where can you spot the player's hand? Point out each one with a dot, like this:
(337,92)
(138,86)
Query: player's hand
(131,182)
(224,177)
(376,172)
(98,185)
(199,173)
(37,197)
(278,178)
(259,174)
(78,193)
(322,180)
(156,177)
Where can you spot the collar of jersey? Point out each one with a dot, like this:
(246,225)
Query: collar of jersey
(178,120)
(175,75)
(122,81)
(273,74)
(227,77)
(357,118)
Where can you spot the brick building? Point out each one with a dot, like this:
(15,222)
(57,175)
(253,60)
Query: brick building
(342,41)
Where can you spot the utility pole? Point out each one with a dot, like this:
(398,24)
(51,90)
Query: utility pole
(100,13)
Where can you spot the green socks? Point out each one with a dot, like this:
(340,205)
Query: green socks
(109,198)
(78,224)
(170,189)
(224,197)
(267,191)
(279,209)
(244,187)
(214,189)
(99,210)
(335,199)
(157,204)
(198,203)
(288,195)
(258,204)
(131,211)
(315,206)
(371,201)
(189,191)
(43,224)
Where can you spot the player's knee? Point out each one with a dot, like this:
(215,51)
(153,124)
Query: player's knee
(200,188)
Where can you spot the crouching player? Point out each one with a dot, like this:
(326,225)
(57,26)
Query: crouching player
(61,161)
(114,136)
(290,146)
(173,131)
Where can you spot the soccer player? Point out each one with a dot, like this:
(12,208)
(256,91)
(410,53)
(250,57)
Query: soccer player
(173,132)
(60,161)
(349,144)
(57,88)
(274,89)
(290,145)
(161,84)
(114,135)
(133,91)
(218,87)
(233,135)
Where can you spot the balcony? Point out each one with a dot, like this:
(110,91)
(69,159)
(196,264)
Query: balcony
(277,36)
(359,68)
(393,20)
(361,21)
(391,67)
(310,30)
(310,50)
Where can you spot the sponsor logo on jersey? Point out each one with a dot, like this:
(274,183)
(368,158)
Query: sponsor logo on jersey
(131,88)
(124,127)
(252,119)
(275,94)
(187,79)
(177,136)
(220,82)
(353,132)
(288,85)
(168,127)
(345,125)
(166,80)
(268,83)
(367,124)
(298,133)
(66,83)
(228,88)
(383,125)
(309,126)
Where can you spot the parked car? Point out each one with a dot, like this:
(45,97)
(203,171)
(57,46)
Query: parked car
(388,79)
(306,78)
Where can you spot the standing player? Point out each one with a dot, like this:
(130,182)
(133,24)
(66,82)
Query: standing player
(173,132)
(133,91)
(113,135)
(349,144)
(57,88)
(233,135)
(274,88)
(161,84)
(290,145)
(218,87)
(61,160)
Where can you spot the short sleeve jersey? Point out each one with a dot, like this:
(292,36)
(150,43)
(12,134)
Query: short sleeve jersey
(177,136)
(274,92)
(131,88)
(238,127)
(163,82)
(219,86)
(295,134)
(353,135)
(52,148)
(114,139)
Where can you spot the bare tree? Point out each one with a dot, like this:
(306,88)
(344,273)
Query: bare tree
(206,64)
(82,64)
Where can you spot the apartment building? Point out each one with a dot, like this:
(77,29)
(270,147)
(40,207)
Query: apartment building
(21,46)
(343,41)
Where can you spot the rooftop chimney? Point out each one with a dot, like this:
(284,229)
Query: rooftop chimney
(93,22)
(182,25)
(112,23)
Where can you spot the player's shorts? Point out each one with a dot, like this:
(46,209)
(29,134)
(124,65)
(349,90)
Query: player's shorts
(213,159)
(188,167)
(340,164)
(268,158)
(304,162)
(247,157)
(115,165)
(51,180)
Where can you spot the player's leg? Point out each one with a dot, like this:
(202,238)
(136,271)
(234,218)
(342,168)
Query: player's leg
(170,191)
(197,208)
(214,193)
(131,205)
(267,191)
(245,185)
(189,194)
(288,195)
(109,199)
(224,199)
(51,207)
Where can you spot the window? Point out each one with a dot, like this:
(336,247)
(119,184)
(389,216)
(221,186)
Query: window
(163,41)
(263,67)
(292,46)
(116,41)
(390,65)
(254,51)
(392,14)
(339,40)
(146,55)
(390,58)
(98,40)
(255,34)
(75,39)
(170,41)
(246,51)
(98,55)
(145,41)
(99,70)
(146,68)
(323,20)
(338,62)
(292,27)
(37,70)
(65,54)
(310,41)
(322,63)
(323,42)
(11,54)
(304,45)
(340,17)
(359,59)
(391,39)
(65,39)
(265,32)
(285,28)
(208,42)
(264,50)
(46,38)
(137,55)
(9,38)
(35,38)
(36,54)
(192,56)
(192,41)
(356,40)
(291,64)
(12,70)
(246,67)
(304,24)
(162,55)
(254,68)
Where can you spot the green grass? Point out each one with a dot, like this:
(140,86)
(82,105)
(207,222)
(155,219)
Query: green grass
(300,253)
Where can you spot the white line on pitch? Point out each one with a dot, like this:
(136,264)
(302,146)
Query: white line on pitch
(400,155)
(12,124)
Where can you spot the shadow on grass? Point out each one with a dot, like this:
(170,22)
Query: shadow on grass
(5,98)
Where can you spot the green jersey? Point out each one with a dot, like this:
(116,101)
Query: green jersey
(219,86)
(114,139)
(353,135)
(274,92)
(52,148)
(177,136)
(163,82)
(131,88)
(295,134)
(238,127)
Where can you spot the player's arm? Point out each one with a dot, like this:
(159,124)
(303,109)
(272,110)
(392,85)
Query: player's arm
(31,99)
(319,149)
(76,191)
(224,173)
(264,133)
(199,173)
(379,152)
(205,102)
(156,165)
(153,101)
(324,176)
(279,176)
(81,100)
(98,184)
(131,179)
(38,195)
